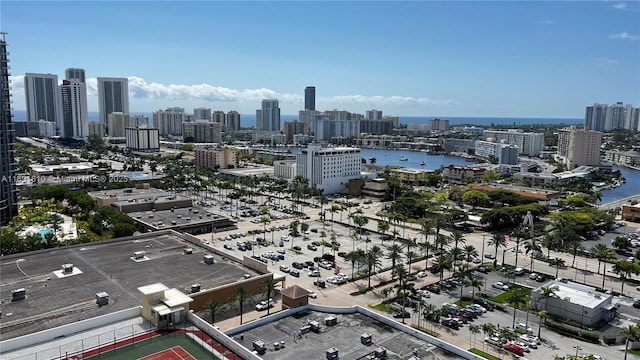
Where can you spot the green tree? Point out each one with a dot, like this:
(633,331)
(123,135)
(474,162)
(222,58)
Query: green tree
(497,241)
(213,308)
(239,298)
(267,288)
(624,269)
(558,263)
(394,254)
(632,332)
(475,198)
(516,299)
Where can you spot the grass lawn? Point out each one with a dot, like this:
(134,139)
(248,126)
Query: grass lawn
(384,307)
(502,298)
(483,354)
(634,352)
(427,331)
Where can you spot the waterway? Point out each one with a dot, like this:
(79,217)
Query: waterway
(630,188)
(414,159)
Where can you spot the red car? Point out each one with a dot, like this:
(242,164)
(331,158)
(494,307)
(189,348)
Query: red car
(514,349)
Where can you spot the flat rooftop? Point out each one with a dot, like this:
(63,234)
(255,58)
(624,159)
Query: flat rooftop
(252,171)
(578,294)
(128,193)
(54,299)
(345,336)
(190,216)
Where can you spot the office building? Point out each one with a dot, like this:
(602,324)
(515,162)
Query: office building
(579,147)
(74,109)
(75,74)
(329,169)
(310,98)
(96,128)
(116,124)
(528,143)
(233,121)
(201,131)
(42,98)
(216,158)
(142,139)
(113,96)
(577,302)
(268,118)
(605,117)
(8,192)
(202,113)
(219,117)
(169,121)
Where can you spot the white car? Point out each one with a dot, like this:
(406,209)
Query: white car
(533,343)
(284,269)
(312,294)
(533,276)
(524,327)
(524,346)
(422,274)
(478,308)
(264,305)
(500,285)
(493,340)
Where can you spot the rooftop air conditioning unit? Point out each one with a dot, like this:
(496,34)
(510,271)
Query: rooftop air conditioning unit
(380,353)
(102,298)
(67,269)
(138,255)
(195,288)
(173,222)
(366,339)
(188,251)
(19,294)
(332,353)
(208,259)
(178,216)
(331,321)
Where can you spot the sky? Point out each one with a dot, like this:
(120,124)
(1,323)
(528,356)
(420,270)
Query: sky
(418,58)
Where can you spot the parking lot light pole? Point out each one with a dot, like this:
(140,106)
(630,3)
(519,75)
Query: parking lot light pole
(578,348)
(482,256)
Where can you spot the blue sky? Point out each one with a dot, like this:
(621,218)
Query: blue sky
(503,59)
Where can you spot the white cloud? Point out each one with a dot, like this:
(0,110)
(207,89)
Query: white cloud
(159,95)
(619,6)
(606,61)
(624,35)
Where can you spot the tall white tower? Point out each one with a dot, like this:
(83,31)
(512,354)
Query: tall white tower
(113,96)
(42,98)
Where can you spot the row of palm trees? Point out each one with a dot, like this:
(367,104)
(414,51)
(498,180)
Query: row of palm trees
(238,299)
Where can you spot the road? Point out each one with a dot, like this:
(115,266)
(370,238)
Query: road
(619,203)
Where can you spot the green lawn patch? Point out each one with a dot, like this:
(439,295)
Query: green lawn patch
(483,354)
(634,352)
(296,251)
(502,298)
(384,307)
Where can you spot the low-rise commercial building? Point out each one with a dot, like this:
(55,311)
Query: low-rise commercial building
(215,158)
(631,212)
(410,176)
(285,169)
(462,174)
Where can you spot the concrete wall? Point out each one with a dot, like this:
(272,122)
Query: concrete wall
(222,338)
(65,330)
(223,293)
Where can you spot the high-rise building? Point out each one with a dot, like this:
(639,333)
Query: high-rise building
(295,128)
(329,169)
(113,96)
(202,131)
(74,109)
(605,117)
(117,123)
(143,139)
(8,192)
(42,98)
(96,128)
(438,125)
(219,117)
(233,121)
(310,98)
(268,118)
(373,114)
(528,143)
(579,147)
(202,113)
(169,121)
(216,158)
(75,74)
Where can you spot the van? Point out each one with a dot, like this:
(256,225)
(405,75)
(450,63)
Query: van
(518,271)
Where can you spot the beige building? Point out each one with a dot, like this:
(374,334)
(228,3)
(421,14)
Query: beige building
(117,122)
(162,306)
(96,128)
(579,147)
(202,132)
(216,158)
(622,157)
(462,174)
(631,213)
(409,176)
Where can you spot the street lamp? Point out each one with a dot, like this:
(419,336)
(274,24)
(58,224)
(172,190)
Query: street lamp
(578,348)
(482,256)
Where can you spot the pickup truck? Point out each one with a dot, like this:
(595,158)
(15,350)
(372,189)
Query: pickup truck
(264,304)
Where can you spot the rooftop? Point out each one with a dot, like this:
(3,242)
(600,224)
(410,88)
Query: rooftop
(54,298)
(127,193)
(253,171)
(164,219)
(344,336)
(575,293)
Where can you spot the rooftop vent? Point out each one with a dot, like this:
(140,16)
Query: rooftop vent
(195,211)
(102,298)
(67,268)
(188,251)
(208,259)
(332,353)
(188,219)
(195,288)
(178,216)
(138,255)
(150,216)
(315,326)
(380,353)
(19,294)
(173,222)
(366,339)
(331,321)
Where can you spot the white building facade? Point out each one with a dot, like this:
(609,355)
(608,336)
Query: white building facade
(74,109)
(42,98)
(285,169)
(329,169)
(169,121)
(113,96)
(504,153)
(143,139)
(529,144)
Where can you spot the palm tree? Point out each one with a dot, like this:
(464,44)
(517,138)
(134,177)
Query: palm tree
(625,269)
(239,297)
(442,262)
(542,314)
(354,257)
(383,227)
(547,292)
(632,332)
(214,307)
(267,287)
(515,299)
(334,209)
(574,247)
(475,283)
(394,254)
(497,241)
(557,262)
(426,247)
(534,248)
(403,283)
(372,261)
(470,251)
(457,237)
(475,330)
(602,253)
(488,329)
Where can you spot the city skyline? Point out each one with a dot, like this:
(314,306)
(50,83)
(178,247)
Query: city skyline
(485,59)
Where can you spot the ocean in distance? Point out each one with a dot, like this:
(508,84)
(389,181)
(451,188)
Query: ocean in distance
(249,120)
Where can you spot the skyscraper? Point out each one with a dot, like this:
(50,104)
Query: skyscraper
(113,96)
(233,120)
(202,113)
(268,118)
(310,98)
(42,98)
(169,121)
(8,192)
(75,74)
(579,147)
(74,109)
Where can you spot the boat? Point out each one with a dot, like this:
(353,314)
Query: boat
(423,163)
(403,158)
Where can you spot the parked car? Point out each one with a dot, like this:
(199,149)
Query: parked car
(452,323)
(284,269)
(484,303)
(433,288)
(530,341)
(312,247)
(297,248)
(314,273)
(514,349)
(500,285)
(524,327)
(541,278)
(493,340)
(636,304)
(294,272)
(483,269)
(401,314)
(298,265)
(264,305)
(312,294)
(422,274)
(524,346)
